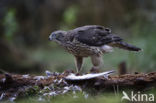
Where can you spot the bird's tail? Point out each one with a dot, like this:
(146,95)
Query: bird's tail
(126,46)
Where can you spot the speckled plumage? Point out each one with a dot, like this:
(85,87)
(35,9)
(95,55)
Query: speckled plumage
(79,49)
(91,40)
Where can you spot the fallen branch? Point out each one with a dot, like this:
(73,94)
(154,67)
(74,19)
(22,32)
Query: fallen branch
(128,81)
(12,85)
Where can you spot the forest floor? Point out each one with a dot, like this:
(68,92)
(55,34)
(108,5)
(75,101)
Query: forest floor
(15,86)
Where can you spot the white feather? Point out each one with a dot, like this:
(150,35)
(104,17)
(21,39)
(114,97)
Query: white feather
(106,48)
(89,76)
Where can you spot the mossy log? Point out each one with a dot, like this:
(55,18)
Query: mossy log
(15,83)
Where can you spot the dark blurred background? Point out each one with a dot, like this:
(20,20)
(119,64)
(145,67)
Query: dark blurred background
(26,24)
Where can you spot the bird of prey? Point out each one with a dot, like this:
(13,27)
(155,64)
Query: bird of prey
(89,41)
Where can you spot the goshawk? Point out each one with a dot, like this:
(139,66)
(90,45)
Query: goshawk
(90,40)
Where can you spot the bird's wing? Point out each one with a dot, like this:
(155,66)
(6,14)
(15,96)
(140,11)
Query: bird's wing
(94,35)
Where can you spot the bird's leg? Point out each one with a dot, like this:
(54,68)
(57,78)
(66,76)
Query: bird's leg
(78,63)
(97,62)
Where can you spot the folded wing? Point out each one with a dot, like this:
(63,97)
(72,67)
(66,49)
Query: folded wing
(95,35)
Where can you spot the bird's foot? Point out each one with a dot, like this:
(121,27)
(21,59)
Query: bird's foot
(68,71)
(95,70)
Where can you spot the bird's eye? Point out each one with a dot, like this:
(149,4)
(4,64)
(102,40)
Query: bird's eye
(108,30)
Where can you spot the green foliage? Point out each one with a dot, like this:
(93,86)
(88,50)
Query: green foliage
(10,24)
(77,98)
(32,91)
(144,36)
(69,17)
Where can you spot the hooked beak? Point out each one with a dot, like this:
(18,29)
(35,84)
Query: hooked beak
(51,37)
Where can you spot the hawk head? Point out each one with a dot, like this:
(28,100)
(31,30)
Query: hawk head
(57,36)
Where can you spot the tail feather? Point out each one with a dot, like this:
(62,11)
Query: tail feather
(126,46)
